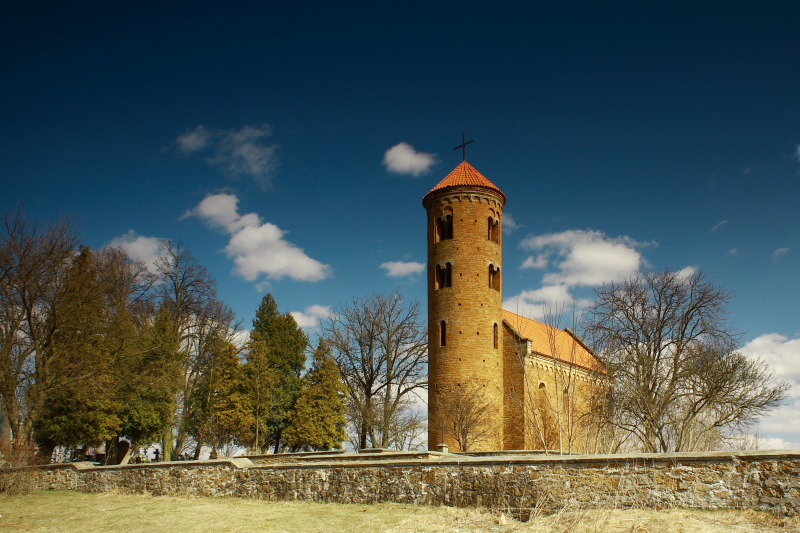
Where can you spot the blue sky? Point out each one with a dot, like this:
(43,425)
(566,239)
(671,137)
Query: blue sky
(289,145)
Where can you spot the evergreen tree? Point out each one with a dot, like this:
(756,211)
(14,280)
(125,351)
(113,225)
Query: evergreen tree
(275,361)
(78,405)
(318,419)
(149,383)
(219,407)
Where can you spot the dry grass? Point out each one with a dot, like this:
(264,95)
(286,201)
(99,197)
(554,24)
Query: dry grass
(73,511)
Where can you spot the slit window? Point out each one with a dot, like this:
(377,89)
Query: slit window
(495,336)
(442,333)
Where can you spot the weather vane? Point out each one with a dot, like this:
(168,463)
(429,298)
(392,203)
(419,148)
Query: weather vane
(463,145)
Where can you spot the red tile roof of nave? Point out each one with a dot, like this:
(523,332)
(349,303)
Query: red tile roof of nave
(553,342)
(465,174)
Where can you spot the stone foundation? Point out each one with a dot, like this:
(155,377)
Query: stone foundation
(755,479)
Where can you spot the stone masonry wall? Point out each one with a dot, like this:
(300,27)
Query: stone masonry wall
(764,480)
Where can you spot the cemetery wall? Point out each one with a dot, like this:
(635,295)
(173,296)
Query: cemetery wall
(754,479)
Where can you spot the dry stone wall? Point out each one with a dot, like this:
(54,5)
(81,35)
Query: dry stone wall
(762,480)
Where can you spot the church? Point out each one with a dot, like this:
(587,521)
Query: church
(497,380)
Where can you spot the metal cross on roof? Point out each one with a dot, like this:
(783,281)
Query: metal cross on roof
(463,145)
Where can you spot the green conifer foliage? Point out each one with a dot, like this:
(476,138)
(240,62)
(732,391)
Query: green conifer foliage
(318,419)
(150,381)
(219,408)
(275,360)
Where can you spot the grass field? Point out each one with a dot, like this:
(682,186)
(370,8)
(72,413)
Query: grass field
(73,511)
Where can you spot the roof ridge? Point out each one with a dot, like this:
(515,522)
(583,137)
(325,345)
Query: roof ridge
(553,342)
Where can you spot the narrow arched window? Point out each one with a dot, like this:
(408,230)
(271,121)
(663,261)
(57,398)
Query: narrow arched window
(496,340)
(444,227)
(494,277)
(493,229)
(443,276)
(448,226)
(439,229)
(442,333)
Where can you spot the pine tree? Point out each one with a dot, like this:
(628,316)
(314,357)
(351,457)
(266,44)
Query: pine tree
(318,419)
(275,361)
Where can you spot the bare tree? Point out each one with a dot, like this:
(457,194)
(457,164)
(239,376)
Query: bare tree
(468,415)
(34,267)
(676,377)
(199,320)
(557,377)
(380,345)
(408,428)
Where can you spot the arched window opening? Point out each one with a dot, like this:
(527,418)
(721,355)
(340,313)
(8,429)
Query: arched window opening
(443,276)
(493,229)
(495,336)
(444,227)
(494,277)
(442,333)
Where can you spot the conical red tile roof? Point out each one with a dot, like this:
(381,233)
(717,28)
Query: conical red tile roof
(465,174)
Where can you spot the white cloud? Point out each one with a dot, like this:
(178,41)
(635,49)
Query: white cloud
(194,140)
(781,429)
(239,153)
(781,354)
(402,158)
(733,251)
(243,153)
(719,225)
(574,258)
(510,224)
(586,258)
(138,247)
(780,252)
(222,211)
(257,247)
(399,269)
(687,272)
(797,152)
(540,303)
(775,443)
(540,261)
(241,338)
(311,317)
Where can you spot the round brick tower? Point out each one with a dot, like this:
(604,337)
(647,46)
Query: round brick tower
(465,296)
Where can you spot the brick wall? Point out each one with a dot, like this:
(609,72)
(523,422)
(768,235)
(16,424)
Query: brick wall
(470,307)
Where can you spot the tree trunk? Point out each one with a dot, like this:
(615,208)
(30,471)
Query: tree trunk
(197,450)
(167,446)
(5,429)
